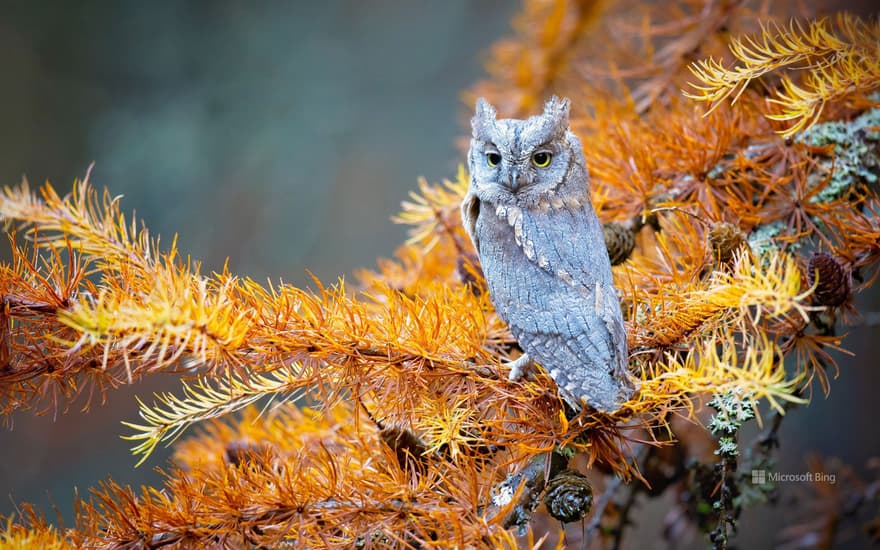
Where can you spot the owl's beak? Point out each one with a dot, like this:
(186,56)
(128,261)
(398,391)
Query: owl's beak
(516,180)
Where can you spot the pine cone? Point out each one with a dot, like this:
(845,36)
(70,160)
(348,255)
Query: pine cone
(834,283)
(619,240)
(725,239)
(569,496)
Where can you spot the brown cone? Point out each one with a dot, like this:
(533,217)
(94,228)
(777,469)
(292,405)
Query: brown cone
(569,496)
(834,285)
(619,240)
(725,239)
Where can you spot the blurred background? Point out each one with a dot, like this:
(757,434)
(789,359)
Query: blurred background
(282,135)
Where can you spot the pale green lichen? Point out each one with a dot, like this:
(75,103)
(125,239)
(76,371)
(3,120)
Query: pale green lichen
(733,409)
(727,446)
(855,159)
(762,238)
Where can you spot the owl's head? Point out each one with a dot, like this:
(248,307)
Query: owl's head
(525,162)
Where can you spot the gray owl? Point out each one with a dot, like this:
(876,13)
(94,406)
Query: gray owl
(540,243)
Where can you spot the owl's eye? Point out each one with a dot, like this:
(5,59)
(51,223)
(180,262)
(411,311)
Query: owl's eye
(541,159)
(493,159)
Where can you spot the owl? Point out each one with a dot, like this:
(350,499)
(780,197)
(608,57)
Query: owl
(541,246)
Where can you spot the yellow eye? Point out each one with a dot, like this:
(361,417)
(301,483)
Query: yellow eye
(541,159)
(493,159)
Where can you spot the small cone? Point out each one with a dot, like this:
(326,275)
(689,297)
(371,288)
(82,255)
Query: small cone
(619,240)
(831,278)
(569,496)
(725,239)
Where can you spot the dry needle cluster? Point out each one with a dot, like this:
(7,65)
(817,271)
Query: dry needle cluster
(733,154)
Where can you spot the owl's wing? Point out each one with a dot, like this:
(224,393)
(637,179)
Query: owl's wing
(470,211)
(568,243)
(575,329)
(574,346)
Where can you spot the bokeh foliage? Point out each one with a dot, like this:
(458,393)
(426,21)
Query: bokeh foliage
(752,222)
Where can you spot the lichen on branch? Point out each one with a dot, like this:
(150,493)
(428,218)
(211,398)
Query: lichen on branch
(733,237)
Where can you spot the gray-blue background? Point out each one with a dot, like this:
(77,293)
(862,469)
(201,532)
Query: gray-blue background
(282,135)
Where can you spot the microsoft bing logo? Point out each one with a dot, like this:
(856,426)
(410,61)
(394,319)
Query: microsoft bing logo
(760,477)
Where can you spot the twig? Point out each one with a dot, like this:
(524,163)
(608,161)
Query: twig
(641,458)
(718,536)
(605,499)
(624,518)
(599,510)
(526,486)
(768,438)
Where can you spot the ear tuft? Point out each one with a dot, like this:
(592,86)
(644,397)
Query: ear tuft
(483,119)
(558,110)
(485,110)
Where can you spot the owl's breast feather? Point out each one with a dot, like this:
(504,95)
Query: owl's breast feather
(517,280)
(565,240)
(549,278)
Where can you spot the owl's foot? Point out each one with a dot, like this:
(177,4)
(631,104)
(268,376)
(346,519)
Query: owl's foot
(520,367)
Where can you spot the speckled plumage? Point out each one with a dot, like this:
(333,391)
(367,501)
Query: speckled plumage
(543,253)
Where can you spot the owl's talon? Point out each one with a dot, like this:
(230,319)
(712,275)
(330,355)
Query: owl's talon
(520,367)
